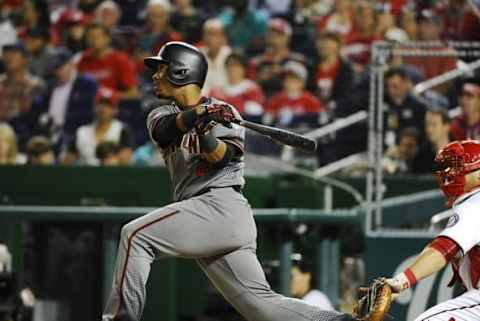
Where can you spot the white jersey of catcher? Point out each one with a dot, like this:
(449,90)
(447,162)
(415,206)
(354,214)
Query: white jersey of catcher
(463,227)
(190,173)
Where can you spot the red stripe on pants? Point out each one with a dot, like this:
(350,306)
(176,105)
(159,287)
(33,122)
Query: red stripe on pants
(130,238)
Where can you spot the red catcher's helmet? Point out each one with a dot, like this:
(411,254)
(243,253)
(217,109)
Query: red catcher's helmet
(454,161)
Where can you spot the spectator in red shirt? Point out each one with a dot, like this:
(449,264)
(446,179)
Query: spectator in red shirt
(240,91)
(429,29)
(340,21)
(358,43)
(267,67)
(110,67)
(333,78)
(294,105)
(467,125)
(459,20)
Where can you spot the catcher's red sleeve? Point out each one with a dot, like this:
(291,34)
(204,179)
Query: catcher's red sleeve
(446,246)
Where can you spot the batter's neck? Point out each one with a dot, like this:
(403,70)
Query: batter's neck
(189,97)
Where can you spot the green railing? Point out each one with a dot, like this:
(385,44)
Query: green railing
(327,249)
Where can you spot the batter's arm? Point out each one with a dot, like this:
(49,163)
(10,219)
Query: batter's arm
(165,130)
(432,259)
(216,151)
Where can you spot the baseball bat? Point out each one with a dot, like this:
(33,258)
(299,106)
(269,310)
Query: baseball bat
(281,135)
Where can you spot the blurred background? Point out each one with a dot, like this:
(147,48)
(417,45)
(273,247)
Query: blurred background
(381,86)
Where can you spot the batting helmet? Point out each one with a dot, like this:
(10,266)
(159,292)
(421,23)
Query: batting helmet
(454,161)
(185,63)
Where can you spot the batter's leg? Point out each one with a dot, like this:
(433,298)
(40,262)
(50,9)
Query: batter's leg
(204,226)
(241,280)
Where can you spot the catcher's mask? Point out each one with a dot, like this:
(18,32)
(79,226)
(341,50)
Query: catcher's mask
(453,162)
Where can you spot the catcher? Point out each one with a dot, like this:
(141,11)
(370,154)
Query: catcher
(459,243)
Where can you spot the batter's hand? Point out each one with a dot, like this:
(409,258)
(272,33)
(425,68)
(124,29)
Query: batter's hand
(221,113)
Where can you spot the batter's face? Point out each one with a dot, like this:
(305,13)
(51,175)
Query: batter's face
(162,87)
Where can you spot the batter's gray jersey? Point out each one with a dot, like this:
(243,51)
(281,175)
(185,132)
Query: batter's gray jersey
(189,171)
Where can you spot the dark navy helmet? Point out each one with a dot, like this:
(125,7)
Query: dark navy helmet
(185,63)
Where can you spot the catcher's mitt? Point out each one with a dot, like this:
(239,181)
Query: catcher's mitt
(375,304)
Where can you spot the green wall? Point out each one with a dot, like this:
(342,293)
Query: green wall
(137,186)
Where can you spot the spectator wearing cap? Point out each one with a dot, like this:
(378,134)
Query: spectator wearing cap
(110,67)
(267,67)
(40,151)
(105,127)
(70,28)
(294,105)
(333,76)
(188,21)
(108,13)
(216,50)
(68,102)
(41,52)
(467,124)
(437,132)
(429,29)
(240,91)
(7,29)
(245,27)
(404,108)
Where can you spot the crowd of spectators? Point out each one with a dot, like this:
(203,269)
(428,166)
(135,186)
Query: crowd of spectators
(74,89)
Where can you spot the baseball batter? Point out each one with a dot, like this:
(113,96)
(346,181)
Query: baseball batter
(210,221)
(459,243)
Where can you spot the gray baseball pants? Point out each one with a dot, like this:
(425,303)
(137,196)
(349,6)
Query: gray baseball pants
(217,229)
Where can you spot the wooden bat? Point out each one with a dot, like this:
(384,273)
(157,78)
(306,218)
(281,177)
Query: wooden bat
(282,136)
